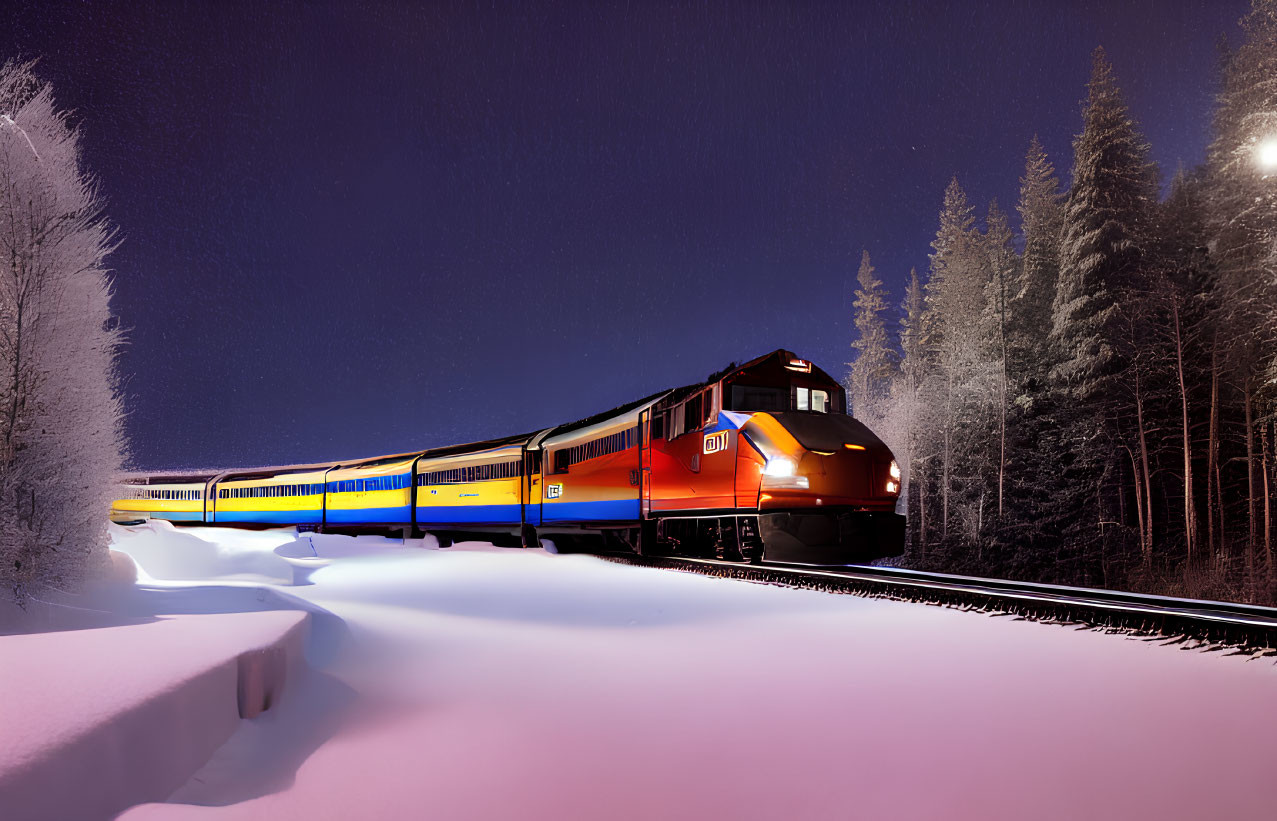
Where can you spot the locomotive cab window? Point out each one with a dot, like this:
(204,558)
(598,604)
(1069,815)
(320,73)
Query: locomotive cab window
(812,399)
(759,398)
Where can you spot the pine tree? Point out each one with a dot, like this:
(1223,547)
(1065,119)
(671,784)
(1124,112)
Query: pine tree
(1094,331)
(910,410)
(1243,228)
(60,440)
(913,365)
(869,381)
(954,333)
(1041,222)
(1003,264)
(1179,285)
(1105,228)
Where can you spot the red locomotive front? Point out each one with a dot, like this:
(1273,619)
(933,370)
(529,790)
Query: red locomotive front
(763,463)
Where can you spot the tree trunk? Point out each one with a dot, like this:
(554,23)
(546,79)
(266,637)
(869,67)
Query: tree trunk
(1139,500)
(948,452)
(922,511)
(1212,457)
(1147,525)
(1250,490)
(1190,509)
(1002,432)
(1268,510)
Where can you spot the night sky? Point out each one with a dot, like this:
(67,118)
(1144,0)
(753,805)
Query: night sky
(361,228)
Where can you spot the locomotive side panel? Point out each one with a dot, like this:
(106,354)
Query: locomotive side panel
(593,475)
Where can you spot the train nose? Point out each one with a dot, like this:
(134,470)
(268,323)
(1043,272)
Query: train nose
(830,537)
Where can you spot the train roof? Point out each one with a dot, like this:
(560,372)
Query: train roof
(782,356)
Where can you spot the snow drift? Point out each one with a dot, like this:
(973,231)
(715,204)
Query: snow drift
(506,683)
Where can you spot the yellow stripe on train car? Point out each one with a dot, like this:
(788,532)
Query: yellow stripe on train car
(309,501)
(487,492)
(360,499)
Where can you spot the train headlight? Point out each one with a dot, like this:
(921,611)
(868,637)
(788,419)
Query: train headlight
(779,466)
(779,473)
(892,487)
(895,470)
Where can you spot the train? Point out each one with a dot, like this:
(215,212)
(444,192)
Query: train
(760,463)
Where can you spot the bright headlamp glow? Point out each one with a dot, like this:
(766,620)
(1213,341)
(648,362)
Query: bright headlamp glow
(1266,154)
(779,466)
(895,470)
(892,487)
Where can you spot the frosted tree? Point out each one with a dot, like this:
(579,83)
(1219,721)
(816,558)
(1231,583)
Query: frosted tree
(1106,224)
(1003,265)
(869,381)
(60,439)
(910,408)
(1041,220)
(955,335)
(1242,162)
(1178,287)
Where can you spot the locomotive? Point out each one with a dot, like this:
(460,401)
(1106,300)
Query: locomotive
(759,463)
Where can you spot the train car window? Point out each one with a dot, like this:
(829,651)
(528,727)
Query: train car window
(561,461)
(693,413)
(658,426)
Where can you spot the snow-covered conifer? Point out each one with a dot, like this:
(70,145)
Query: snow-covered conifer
(1041,220)
(869,381)
(1003,275)
(60,438)
(955,335)
(1242,163)
(1105,231)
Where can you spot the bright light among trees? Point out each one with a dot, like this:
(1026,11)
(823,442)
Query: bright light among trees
(1266,154)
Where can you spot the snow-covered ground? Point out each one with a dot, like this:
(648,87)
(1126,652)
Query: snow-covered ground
(477,682)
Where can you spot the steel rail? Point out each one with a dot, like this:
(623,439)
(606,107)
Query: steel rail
(1251,628)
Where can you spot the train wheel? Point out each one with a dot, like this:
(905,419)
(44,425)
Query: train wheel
(728,546)
(648,541)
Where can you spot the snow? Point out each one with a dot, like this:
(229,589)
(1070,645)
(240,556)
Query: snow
(130,711)
(477,682)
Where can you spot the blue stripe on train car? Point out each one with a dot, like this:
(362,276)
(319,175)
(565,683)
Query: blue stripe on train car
(282,517)
(370,515)
(605,511)
(468,514)
(175,515)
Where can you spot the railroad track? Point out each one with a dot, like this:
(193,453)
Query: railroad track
(1193,624)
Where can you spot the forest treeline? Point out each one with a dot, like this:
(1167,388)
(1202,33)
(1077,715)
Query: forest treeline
(1093,401)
